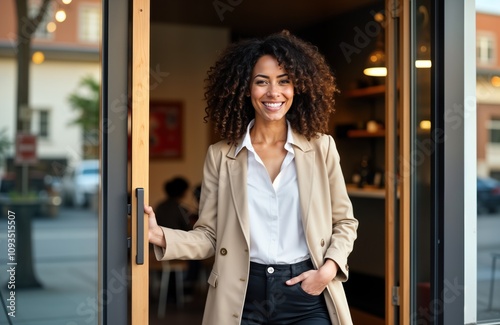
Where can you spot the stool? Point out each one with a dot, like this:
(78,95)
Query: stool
(179,267)
(492,281)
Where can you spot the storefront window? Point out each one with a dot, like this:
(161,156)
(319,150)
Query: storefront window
(488,161)
(49,180)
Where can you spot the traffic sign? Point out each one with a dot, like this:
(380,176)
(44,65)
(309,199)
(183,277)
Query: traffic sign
(25,149)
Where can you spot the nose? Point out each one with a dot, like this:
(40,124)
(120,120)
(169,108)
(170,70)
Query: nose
(273,91)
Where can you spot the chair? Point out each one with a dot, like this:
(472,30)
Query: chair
(179,267)
(167,267)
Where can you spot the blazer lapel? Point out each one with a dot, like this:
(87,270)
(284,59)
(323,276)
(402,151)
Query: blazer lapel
(237,169)
(304,162)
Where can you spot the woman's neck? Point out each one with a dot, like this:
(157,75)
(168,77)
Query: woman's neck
(269,133)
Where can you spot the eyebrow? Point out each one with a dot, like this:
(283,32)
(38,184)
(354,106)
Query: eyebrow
(267,77)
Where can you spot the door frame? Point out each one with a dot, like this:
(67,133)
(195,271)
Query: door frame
(113,221)
(125,81)
(453,234)
(454,103)
(139,162)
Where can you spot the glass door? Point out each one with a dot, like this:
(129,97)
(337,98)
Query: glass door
(488,154)
(50,167)
(123,293)
(431,267)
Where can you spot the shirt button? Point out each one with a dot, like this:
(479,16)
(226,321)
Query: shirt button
(223,251)
(322,242)
(270,270)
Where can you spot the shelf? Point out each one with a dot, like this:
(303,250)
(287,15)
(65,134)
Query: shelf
(372,91)
(365,192)
(365,134)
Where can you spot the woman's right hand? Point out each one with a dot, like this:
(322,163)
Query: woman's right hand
(155,233)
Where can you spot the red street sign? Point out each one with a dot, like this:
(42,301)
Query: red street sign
(26,149)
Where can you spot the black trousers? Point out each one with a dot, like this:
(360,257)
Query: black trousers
(269,300)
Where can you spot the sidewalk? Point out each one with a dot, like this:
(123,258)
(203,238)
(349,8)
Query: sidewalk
(65,254)
(65,263)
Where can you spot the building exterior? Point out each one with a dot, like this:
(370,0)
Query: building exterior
(488,94)
(64,52)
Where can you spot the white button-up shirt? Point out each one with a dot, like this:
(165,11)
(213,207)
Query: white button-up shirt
(276,231)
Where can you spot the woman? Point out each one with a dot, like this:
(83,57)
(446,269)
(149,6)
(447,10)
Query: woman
(274,208)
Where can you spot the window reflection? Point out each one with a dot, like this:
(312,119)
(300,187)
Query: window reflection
(488,163)
(44,139)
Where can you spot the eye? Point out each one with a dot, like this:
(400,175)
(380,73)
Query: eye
(260,82)
(285,81)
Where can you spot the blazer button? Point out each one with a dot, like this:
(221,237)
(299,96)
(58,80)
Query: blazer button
(322,242)
(347,267)
(223,251)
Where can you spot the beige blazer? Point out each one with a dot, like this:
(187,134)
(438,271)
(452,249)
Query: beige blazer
(223,227)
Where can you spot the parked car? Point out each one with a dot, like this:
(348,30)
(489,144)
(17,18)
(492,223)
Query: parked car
(41,187)
(81,183)
(488,195)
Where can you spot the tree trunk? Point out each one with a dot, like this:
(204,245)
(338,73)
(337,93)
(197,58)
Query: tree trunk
(26,26)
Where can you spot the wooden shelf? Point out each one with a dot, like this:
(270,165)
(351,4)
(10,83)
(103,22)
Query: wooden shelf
(365,134)
(372,91)
(365,192)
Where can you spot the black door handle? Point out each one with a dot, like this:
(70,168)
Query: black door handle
(139,194)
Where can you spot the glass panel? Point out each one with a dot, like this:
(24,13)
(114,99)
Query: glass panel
(49,171)
(421,152)
(488,161)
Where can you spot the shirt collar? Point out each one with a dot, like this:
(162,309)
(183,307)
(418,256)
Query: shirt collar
(247,141)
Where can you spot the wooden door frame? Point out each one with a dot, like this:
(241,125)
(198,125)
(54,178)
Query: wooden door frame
(391,161)
(398,167)
(140,161)
(116,277)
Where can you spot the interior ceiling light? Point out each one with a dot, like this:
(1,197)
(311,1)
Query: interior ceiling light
(423,64)
(425,125)
(375,64)
(423,60)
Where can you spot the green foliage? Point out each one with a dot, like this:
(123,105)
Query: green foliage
(85,100)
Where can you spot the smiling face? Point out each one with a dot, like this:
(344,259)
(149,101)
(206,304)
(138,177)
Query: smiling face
(271,90)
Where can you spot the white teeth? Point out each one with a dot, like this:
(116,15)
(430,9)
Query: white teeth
(273,104)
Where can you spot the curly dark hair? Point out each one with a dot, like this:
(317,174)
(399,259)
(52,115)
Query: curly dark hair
(228,83)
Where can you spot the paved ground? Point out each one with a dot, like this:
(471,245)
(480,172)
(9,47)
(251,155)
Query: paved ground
(65,255)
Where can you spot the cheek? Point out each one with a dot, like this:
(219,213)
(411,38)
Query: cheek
(257,93)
